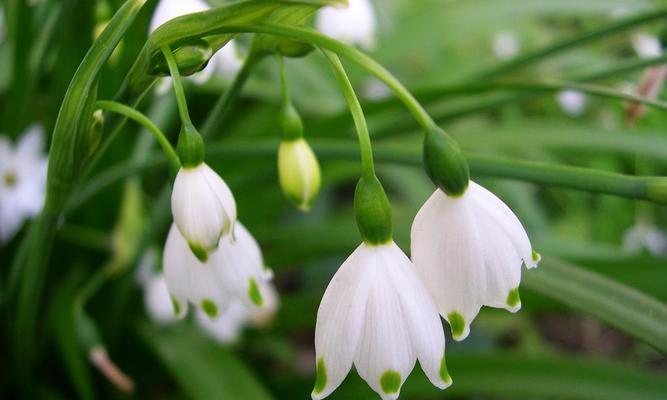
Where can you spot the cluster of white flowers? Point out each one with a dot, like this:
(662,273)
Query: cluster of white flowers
(22,180)
(380,310)
(225,62)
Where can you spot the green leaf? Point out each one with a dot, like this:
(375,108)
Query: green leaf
(202,368)
(521,376)
(620,306)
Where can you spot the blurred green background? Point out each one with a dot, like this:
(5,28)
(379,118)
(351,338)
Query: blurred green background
(563,343)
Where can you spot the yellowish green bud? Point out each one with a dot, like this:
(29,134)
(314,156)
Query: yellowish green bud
(299,172)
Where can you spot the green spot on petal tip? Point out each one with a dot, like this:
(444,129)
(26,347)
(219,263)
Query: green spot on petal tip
(199,252)
(321,379)
(390,382)
(209,308)
(444,374)
(513,298)
(177,307)
(536,256)
(457,323)
(254,294)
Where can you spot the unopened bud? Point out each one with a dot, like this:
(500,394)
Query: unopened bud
(293,48)
(190,58)
(445,163)
(190,146)
(373,211)
(299,172)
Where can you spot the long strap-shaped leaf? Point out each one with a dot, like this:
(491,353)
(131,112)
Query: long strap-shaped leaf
(65,158)
(618,305)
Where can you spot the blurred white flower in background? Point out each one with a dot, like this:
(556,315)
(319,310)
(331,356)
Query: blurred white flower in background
(647,236)
(506,45)
(22,180)
(375,89)
(572,102)
(646,45)
(354,24)
(225,62)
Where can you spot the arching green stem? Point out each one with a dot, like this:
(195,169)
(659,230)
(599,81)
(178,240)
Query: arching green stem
(366,149)
(178,85)
(143,120)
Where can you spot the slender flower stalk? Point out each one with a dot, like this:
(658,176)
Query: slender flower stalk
(375,313)
(202,204)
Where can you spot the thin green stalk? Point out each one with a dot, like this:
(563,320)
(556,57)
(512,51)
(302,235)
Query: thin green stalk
(177,84)
(365,146)
(220,111)
(583,179)
(143,120)
(541,54)
(284,86)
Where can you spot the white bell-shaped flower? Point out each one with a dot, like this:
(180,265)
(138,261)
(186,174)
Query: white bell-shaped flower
(377,314)
(229,326)
(468,251)
(234,271)
(203,207)
(353,24)
(645,235)
(22,180)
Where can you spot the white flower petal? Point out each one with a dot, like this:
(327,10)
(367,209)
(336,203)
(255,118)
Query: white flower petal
(420,315)
(11,218)
(167,10)
(385,355)
(354,24)
(447,251)
(203,207)
(31,143)
(190,280)
(227,328)
(157,300)
(227,61)
(339,322)
(239,266)
(506,45)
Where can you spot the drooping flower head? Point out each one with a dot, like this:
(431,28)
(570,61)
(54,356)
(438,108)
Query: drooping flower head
(203,207)
(376,314)
(353,24)
(233,272)
(468,251)
(22,180)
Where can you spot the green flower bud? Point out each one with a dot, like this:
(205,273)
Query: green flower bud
(293,48)
(190,146)
(299,172)
(190,58)
(373,211)
(291,124)
(445,163)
